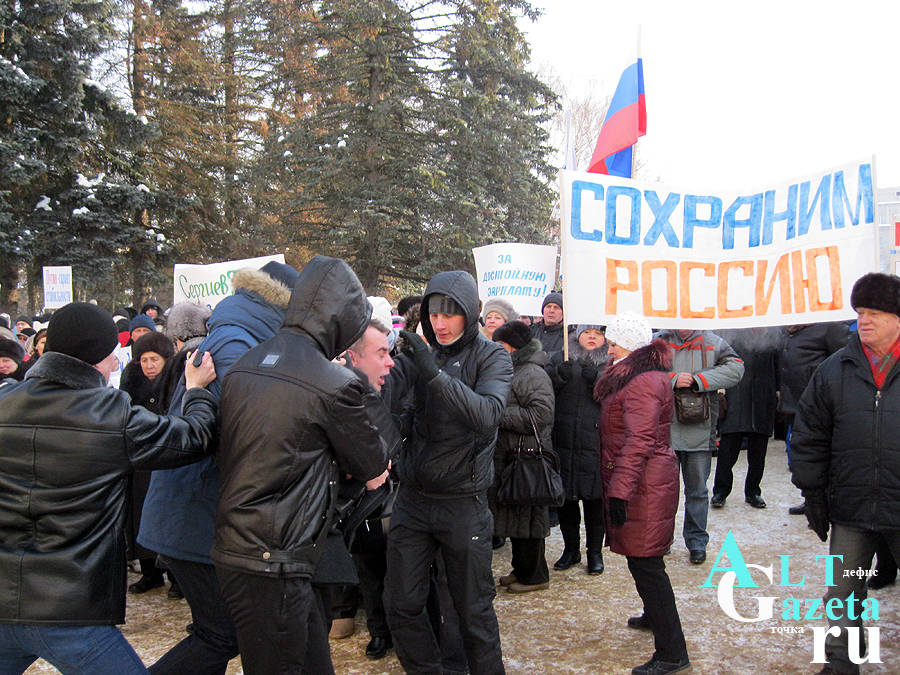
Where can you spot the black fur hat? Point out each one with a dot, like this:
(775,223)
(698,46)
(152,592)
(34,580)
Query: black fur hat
(514,333)
(877,291)
(152,342)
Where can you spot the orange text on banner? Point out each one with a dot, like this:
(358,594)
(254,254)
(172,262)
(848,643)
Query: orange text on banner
(794,275)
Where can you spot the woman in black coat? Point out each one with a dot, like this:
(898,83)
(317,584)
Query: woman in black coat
(529,408)
(141,378)
(575,441)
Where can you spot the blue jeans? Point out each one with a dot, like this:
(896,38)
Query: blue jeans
(695,467)
(94,650)
(858,548)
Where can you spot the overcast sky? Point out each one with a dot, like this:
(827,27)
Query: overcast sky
(740,94)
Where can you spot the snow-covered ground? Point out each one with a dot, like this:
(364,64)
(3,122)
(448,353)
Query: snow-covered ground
(578,624)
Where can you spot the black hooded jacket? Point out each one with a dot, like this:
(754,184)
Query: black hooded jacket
(291,422)
(450,449)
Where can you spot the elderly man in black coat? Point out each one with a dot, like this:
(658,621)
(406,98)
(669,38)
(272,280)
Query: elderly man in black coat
(846,458)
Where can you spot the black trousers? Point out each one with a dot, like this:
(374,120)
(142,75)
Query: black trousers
(445,622)
(371,566)
(729,449)
(279,624)
(459,531)
(213,642)
(655,589)
(343,601)
(528,561)
(570,524)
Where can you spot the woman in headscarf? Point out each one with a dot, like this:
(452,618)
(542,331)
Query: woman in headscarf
(640,477)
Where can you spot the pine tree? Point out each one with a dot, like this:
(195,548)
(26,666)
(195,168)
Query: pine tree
(57,123)
(422,138)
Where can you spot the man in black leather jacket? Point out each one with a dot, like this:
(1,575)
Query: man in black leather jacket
(460,391)
(292,422)
(69,444)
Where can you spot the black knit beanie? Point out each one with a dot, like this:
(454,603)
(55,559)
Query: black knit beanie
(514,333)
(877,291)
(554,297)
(284,274)
(82,330)
(11,350)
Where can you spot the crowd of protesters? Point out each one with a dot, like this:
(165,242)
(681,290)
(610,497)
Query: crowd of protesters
(303,449)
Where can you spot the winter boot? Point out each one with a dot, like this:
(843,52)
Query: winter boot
(594,562)
(567,559)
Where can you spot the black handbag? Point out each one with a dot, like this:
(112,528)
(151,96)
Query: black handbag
(531,477)
(692,407)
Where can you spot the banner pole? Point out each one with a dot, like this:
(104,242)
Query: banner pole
(877,267)
(562,258)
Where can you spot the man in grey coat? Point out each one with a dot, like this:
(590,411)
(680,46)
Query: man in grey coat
(702,362)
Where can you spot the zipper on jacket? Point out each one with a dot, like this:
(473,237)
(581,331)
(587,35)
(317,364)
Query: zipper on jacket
(877,449)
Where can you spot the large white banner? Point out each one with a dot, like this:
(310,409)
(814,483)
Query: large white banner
(57,286)
(209,284)
(788,253)
(522,274)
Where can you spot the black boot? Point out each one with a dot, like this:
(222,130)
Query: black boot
(568,558)
(594,562)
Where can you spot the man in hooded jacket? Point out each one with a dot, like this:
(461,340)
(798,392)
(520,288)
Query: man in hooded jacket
(179,511)
(459,392)
(292,423)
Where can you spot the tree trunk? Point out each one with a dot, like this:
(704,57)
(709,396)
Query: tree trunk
(9,282)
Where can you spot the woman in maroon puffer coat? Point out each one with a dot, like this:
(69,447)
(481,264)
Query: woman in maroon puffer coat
(640,478)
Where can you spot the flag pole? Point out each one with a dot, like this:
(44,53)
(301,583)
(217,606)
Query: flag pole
(634,148)
(570,164)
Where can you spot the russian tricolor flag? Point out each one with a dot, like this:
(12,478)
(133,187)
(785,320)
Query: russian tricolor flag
(626,121)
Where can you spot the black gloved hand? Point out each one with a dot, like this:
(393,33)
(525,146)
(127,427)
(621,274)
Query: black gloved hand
(589,372)
(618,512)
(817,513)
(416,348)
(564,371)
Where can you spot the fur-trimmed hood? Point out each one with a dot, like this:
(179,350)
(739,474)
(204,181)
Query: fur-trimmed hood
(655,356)
(272,291)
